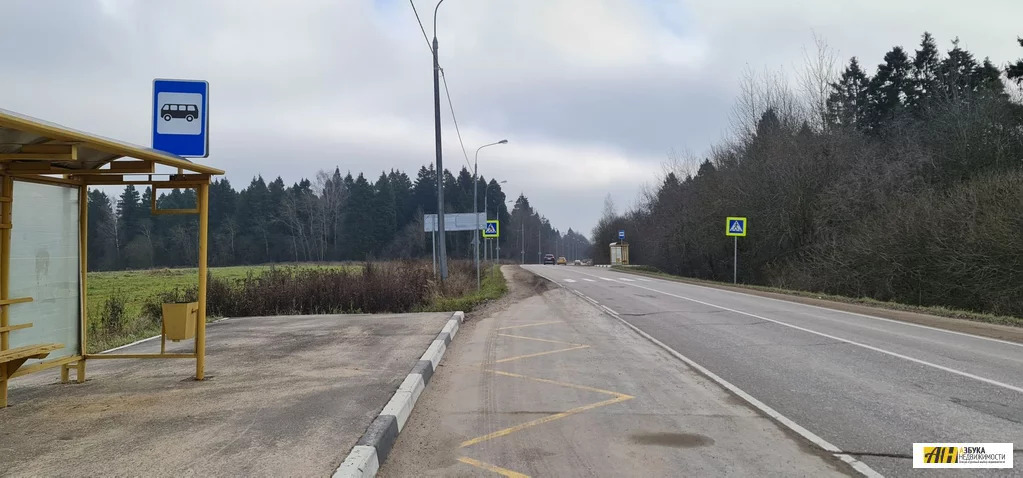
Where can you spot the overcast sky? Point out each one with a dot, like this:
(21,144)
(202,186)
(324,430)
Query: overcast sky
(591,94)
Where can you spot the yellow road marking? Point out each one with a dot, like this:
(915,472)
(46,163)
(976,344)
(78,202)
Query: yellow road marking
(493,468)
(563,384)
(618,397)
(530,325)
(509,359)
(541,421)
(536,339)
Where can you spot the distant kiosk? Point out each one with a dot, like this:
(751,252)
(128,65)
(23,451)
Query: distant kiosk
(620,253)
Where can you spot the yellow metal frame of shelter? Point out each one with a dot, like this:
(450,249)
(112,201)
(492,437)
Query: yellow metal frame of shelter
(38,151)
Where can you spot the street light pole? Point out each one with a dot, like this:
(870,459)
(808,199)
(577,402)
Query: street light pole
(440,162)
(539,227)
(475,207)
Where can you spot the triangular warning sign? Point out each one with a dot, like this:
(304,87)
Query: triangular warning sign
(736,226)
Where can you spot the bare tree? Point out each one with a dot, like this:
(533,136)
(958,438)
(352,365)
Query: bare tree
(815,81)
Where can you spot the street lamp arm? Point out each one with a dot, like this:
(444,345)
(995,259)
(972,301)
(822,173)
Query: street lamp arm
(435,19)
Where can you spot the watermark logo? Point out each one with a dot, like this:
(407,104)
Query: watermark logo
(962,455)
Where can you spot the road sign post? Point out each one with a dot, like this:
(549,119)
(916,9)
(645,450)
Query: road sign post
(492,230)
(735,227)
(181,117)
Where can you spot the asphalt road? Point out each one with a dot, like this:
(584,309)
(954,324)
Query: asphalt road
(869,386)
(544,384)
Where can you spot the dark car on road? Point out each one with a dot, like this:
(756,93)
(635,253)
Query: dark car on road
(548,259)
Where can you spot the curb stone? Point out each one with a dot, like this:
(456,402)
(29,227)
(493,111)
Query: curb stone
(375,444)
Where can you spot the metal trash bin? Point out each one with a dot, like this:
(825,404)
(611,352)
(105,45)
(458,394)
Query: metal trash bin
(179,320)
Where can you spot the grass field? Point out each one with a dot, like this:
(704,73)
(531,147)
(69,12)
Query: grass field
(123,306)
(138,286)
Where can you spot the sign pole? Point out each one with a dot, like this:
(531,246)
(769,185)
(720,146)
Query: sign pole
(433,234)
(735,260)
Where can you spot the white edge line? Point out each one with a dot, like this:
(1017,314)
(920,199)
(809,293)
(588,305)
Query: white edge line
(850,342)
(774,414)
(129,345)
(147,339)
(857,314)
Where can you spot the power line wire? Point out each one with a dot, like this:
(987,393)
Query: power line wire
(425,36)
(447,93)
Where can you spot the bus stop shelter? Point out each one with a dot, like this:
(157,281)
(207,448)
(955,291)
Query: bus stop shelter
(619,253)
(45,172)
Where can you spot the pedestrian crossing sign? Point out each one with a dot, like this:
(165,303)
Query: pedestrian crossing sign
(735,226)
(492,228)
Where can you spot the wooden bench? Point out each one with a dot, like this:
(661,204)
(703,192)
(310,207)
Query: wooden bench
(14,358)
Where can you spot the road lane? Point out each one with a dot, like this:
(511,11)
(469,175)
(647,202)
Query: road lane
(871,387)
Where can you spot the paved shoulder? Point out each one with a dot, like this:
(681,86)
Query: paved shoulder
(551,386)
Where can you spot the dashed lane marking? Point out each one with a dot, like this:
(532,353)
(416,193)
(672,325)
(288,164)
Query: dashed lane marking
(569,280)
(589,280)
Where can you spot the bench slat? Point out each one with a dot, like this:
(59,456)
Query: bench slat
(15,327)
(18,300)
(28,351)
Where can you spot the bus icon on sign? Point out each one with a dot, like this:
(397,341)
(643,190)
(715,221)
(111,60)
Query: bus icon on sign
(186,112)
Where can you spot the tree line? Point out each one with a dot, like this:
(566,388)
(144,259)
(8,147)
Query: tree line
(333,217)
(904,184)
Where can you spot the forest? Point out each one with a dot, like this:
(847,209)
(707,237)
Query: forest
(326,219)
(900,183)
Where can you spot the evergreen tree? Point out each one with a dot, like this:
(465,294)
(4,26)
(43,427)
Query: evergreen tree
(425,190)
(102,230)
(404,204)
(847,104)
(1015,71)
(385,218)
(957,73)
(888,89)
(129,213)
(987,79)
(359,218)
(924,74)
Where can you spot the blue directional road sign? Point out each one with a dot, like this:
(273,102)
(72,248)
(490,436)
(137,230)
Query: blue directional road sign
(181,117)
(735,226)
(492,229)
(621,234)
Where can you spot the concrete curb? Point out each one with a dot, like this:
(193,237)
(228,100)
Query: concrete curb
(603,265)
(375,444)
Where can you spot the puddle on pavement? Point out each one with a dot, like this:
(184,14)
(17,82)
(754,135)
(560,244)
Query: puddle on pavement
(677,440)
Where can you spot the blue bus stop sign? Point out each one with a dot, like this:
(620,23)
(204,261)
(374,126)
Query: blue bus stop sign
(181,117)
(621,234)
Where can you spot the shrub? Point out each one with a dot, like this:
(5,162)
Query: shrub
(112,316)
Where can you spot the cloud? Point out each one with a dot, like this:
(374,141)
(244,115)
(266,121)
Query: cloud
(591,94)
